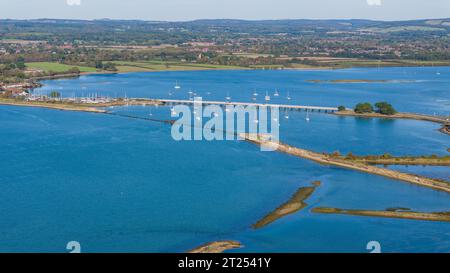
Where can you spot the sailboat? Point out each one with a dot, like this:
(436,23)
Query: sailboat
(172,111)
(307,116)
(276,94)
(286,115)
(255,93)
(267,97)
(228,98)
(150,112)
(288,96)
(177,86)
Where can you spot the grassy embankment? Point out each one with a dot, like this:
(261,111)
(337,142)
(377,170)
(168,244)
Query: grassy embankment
(387,159)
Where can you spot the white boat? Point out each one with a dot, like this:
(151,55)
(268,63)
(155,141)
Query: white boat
(307,116)
(255,93)
(267,97)
(228,98)
(172,111)
(177,86)
(288,96)
(276,94)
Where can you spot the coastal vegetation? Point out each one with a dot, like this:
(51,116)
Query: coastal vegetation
(365,107)
(383,108)
(388,159)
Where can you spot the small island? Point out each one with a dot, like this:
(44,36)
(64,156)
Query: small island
(389,213)
(296,203)
(387,111)
(347,81)
(216,247)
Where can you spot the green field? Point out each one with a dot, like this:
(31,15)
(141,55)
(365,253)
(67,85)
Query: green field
(125,66)
(57,67)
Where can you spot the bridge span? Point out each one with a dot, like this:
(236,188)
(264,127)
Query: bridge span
(244,104)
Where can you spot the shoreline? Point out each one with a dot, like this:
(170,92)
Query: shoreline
(64,107)
(401,115)
(243,68)
(94,108)
(328,160)
(412,215)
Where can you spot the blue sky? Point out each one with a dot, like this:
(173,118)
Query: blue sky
(180,10)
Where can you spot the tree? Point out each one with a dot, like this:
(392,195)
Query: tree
(20,65)
(364,108)
(341,108)
(74,70)
(385,108)
(98,64)
(109,67)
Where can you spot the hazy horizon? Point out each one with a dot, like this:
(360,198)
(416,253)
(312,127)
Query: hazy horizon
(190,10)
(213,19)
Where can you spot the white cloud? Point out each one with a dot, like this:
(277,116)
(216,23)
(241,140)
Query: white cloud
(73,2)
(374,2)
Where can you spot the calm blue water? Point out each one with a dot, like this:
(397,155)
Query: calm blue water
(119,184)
(409,89)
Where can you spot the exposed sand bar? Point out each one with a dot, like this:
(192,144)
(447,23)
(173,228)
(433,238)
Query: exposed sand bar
(329,160)
(433,216)
(216,247)
(296,203)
